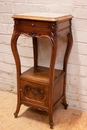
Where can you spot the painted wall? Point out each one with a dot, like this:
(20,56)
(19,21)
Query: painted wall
(77,65)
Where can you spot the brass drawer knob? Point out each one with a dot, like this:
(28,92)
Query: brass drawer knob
(20,89)
(33,25)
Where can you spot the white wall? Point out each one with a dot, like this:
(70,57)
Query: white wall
(77,64)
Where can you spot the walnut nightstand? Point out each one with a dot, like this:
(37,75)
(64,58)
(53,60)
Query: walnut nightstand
(39,86)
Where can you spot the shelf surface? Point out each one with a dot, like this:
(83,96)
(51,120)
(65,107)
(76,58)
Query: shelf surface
(43,16)
(40,74)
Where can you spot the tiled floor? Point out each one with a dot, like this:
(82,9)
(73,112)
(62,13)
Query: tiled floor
(30,119)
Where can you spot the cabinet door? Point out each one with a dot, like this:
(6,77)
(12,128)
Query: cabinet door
(34,93)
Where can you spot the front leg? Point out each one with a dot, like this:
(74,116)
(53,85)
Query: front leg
(18,68)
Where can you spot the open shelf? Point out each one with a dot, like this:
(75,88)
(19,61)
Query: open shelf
(40,74)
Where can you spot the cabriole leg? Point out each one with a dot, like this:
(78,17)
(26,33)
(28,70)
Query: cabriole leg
(66,57)
(17,110)
(18,68)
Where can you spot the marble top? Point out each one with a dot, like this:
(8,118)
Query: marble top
(43,16)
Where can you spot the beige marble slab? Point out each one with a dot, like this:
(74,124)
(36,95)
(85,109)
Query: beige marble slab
(43,16)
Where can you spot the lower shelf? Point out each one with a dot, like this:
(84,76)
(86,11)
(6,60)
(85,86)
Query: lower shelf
(40,74)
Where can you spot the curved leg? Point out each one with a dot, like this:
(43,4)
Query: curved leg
(64,103)
(52,71)
(18,68)
(67,53)
(35,51)
(17,109)
(51,120)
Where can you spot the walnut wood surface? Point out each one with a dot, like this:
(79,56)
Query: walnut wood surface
(39,86)
(43,16)
(40,74)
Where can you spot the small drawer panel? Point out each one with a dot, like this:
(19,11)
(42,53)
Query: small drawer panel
(33,27)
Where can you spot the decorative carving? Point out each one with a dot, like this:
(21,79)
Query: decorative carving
(33,34)
(34,93)
(53,26)
(52,34)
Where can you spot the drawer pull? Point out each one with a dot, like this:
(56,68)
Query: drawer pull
(20,89)
(33,25)
(33,34)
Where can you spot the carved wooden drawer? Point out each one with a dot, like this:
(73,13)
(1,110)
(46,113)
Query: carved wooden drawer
(34,93)
(34,27)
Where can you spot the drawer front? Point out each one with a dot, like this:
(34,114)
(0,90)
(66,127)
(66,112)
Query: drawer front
(33,27)
(34,93)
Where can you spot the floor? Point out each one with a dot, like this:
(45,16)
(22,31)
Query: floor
(32,119)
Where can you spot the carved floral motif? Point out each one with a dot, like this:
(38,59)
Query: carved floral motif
(33,93)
